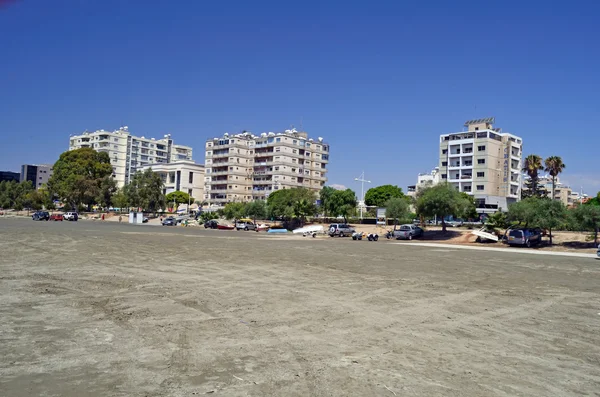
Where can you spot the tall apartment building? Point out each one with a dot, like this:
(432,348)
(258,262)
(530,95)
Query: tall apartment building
(245,167)
(37,174)
(483,162)
(129,153)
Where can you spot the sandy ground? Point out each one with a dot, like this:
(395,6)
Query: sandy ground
(103,309)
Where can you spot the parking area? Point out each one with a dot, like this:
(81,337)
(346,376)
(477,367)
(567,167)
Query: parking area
(108,309)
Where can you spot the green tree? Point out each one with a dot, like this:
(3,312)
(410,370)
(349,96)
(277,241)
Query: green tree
(497,221)
(179,198)
(588,218)
(533,165)
(378,196)
(551,214)
(441,200)
(146,191)
(282,203)
(256,209)
(78,175)
(396,208)
(554,166)
(234,210)
(108,188)
(119,200)
(470,210)
(342,203)
(525,212)
(538,212)
(325,197)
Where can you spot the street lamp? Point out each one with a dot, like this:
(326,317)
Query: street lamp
(362,180)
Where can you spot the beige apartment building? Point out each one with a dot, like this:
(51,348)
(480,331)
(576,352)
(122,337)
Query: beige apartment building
(129,153)
(183,176)
(483,162)
(562,192)
(245,167)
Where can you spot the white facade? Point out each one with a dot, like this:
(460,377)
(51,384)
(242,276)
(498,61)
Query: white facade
(183,176)
(425,180)
(483,162)
(129,153)
(245,167)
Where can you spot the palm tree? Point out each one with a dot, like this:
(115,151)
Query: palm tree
(533,164)
(554,166)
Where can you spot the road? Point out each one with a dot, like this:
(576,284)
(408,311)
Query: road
(104,309)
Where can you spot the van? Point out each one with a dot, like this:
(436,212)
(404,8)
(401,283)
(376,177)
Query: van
(524,236)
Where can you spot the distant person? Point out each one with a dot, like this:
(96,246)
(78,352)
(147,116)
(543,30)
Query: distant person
(120,218)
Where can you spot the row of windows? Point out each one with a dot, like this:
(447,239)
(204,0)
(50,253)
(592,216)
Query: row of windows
(479,149)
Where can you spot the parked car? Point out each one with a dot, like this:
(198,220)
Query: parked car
(524,236)
(598,252)
(56,217)
(169,221)
(40,216)
(71,216)
(212,224)
(245,225)
(408,232)
(455,223)
(340,229)
(145,220)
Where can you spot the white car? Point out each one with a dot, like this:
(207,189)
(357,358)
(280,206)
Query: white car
(71,216)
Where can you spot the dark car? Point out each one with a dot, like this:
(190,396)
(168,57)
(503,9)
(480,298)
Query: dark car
(524,236)
(212,224)
(41,216)
(170,221)
(56,217)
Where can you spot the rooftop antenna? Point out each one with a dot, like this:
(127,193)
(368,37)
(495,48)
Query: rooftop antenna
(362,180)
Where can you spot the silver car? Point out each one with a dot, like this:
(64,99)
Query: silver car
(340,229)
(408,232)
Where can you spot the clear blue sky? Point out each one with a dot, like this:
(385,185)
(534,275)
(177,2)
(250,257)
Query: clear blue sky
(380,81)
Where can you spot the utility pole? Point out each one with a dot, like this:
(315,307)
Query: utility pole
(362,180)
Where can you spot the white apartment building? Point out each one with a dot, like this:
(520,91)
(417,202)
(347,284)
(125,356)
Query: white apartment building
(483,162)
(129,153)
(184,176)
(424,180)
(245,167)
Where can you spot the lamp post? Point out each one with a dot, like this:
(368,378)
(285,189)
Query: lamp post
(362,180)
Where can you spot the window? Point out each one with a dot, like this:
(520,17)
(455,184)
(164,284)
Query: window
(116,140)
(278,149)
(191,179)
(480,161)
(278,140)
(480,187)
(444,151)
(481,148)
(444,163)
(276,168)
(444,176)
(480,174)
(294,151)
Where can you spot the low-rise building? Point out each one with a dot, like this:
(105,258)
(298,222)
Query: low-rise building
(424,180)
(182,176)
(38,174)
(9,176)
(562,192)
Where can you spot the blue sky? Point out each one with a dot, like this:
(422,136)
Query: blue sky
(380,81)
